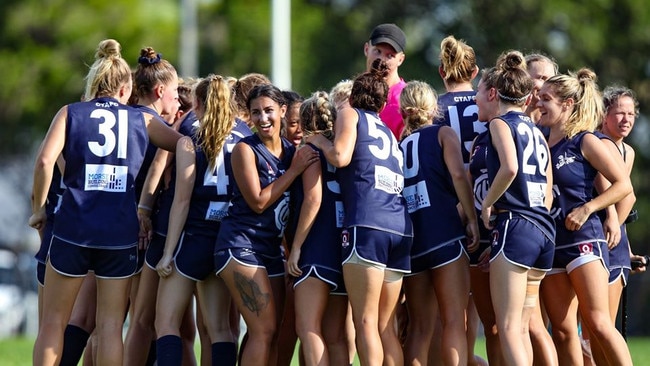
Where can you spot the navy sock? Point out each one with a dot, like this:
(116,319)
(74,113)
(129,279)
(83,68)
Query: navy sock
(74,343)
(224,353)
(151,357)
(169,350)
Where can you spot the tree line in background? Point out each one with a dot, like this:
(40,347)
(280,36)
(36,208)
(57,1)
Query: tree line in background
(45,48)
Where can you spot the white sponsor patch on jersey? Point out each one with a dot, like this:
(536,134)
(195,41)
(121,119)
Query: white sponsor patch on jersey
(387,180)
(216,211)
(416,196)
(107,178)
(536,194)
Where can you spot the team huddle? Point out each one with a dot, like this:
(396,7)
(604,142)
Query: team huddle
(377,220)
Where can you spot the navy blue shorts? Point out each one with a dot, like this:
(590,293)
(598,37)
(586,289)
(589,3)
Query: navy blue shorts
(383,248)
(616,273)
(41,255)
(155,250)
(274,265)
(447,253)
(76,261)
(619,259)
(522,243)
(571,256)
(141,257)
(485,241)
(475,255)
(340,289)
(333,278)
(40,273)
(194,257)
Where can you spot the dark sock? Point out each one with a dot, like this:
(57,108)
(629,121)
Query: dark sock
(151,357)
(224,353)
(169,350)
(74,343)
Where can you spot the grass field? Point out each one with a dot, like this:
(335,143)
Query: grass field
(18,351)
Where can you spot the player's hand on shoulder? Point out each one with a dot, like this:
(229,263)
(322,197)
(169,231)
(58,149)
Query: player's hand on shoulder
(304,157)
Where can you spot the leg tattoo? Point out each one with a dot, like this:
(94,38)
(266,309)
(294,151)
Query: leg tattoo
(251,294)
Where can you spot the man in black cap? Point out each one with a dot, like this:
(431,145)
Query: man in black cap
(388,42)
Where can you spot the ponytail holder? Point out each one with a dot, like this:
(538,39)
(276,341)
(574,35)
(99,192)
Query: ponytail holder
(513,99)
(149,61)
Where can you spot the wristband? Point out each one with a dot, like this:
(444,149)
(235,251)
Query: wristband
(633,216)
(144,207)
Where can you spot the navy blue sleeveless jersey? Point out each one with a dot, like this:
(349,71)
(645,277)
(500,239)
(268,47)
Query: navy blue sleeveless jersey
(429,191)
(602,214)
(296,196)
(478,170)
(526,194)
(52,203)
(166,197)
(619,256)
(162,207)
(372,183)
(212,190)
(104,149)
(149,155)
(243,227)
(189,124)
(573,186)
(480,185)
(322,247)
(241,128)
(460,112)
(54,193)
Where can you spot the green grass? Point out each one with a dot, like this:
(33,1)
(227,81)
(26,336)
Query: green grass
(18,351)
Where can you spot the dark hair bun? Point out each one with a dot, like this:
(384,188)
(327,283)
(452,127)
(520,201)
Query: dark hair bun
(379,68)
(513,60)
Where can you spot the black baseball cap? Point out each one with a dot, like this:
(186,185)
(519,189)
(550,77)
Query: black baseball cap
(389,33)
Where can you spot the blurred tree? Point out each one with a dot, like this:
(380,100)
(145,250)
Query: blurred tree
(46,46)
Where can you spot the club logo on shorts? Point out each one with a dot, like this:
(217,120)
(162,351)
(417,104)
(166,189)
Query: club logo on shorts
(586,249)
(245,252)
(345,238)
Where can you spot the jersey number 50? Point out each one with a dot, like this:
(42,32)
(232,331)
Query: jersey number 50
(387,148)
